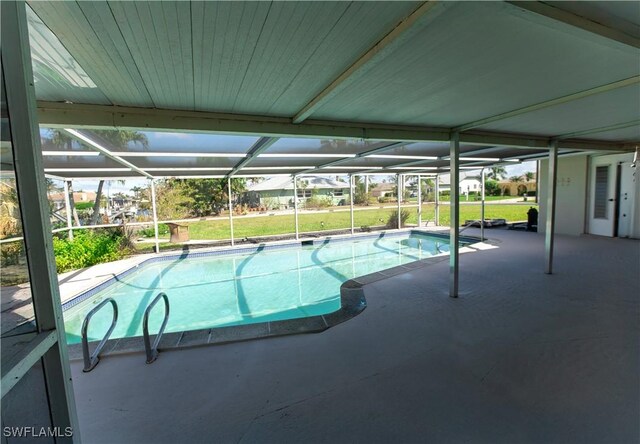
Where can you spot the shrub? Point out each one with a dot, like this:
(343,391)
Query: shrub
(384,199)
(10,253)
(84,206)
(392,222)
(360,197)
(87,248)
(150,232)
(318,202)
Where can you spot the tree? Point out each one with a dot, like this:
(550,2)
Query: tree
(528,176)
(172,201)
(491,187)
(427,189)
(117,139)
(63,140)
(361,194)
(515,179)
(210,196)
(497,173)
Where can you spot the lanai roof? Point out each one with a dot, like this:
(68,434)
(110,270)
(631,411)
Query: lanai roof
(260,88)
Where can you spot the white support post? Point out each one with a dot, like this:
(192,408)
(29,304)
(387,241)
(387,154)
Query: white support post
(230,209)
(351,197)
(295,204)
(398,180)
(155,215)
(437,199)
(419,201)
(69,210)
(51,350)
(482,206)
(551,206)
(454,208)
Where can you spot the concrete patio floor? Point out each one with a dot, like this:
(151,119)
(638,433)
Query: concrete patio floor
(520,357)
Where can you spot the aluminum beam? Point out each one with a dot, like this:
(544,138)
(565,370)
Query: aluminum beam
(259,147)
(351,197)
(69,210)
(107,152)
(230,209)
(32,192)
(419,201)
(154,208)
(551,207)
(407,28)
(398,179)
(482,205)
(347,159)
(568,18)
(437,201)
(295,205)
(454,208)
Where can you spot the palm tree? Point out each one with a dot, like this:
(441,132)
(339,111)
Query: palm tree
(62,139)
(515,179)
(497,173)
(117,139)
(528,176)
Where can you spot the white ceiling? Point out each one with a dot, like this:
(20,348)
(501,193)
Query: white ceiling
(456,63)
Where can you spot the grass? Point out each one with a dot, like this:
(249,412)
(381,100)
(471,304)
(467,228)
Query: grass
(315,221)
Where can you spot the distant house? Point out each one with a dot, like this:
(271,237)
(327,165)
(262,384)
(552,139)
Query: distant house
(383,190)
(58,199)
(468,183)
(510,188)
(277,192)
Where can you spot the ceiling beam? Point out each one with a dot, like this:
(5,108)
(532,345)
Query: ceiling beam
(568,18)
(70,115)
(404,30)
(261,145)
(489,138)
(548,103)
(78,135)
(601,129)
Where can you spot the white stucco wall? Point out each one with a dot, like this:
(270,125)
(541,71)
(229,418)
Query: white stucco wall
(571,195)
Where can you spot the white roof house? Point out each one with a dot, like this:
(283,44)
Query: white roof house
(468,182)
(285,183)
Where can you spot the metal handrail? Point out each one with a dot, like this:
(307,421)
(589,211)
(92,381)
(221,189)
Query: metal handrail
(152,350)
(91,360)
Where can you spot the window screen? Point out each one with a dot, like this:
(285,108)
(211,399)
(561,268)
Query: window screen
(601,192)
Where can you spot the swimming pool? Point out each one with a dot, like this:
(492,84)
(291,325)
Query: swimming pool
(245,286)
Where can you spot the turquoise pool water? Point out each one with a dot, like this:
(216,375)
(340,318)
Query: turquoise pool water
(270,285)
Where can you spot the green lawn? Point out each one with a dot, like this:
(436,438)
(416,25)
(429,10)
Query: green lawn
(314,221)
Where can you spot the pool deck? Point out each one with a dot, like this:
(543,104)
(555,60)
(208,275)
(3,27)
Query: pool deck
(519,357)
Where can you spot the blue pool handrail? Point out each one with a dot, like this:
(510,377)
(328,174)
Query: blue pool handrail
(91,360)
(152,350)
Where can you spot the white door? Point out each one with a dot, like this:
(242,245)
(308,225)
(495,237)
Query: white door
(602,196)
(626,197)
